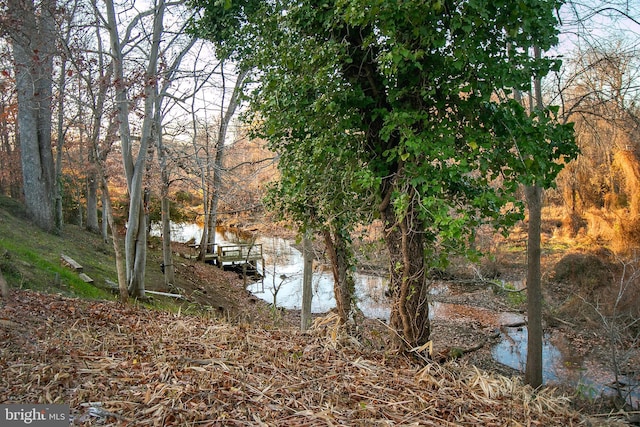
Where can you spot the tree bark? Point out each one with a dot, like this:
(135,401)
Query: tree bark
(120,267)
(92,197)
(408,281)
(343,282)
(533,371)
(307,278)
(533,194)
(33,40)
(4,288)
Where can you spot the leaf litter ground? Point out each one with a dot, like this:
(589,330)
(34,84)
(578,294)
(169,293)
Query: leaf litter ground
(123,365)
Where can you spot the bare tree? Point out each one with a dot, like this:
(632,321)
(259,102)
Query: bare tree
(225,120)
(168,79)
(10,171)
(31,30)
(135,157)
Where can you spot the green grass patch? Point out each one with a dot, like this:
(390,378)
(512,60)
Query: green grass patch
(516,298)
(31,259)
(41,274)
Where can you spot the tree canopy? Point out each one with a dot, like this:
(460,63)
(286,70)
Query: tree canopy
(409,101)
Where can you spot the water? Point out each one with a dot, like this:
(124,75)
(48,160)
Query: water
(283,285)
(561,366)
(512,351)
(283,282)
(283,275)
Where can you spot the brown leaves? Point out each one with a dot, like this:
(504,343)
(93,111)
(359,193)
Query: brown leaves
(118,365)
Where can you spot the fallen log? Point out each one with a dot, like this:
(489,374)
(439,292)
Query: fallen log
(164,294)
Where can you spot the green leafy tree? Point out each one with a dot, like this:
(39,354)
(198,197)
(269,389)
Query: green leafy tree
(407,101)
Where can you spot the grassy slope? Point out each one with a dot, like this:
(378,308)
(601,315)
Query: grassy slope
(30,258)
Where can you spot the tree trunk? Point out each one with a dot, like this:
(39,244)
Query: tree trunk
(136,235)
(33,49)
(120,268)
(533,372)
(80,213)
(92,199)
(4,288)
(105,225)
(205,173)
(96,157)
(206,204)
(343,282)
(165,204)
(225,120)
(167,254)
(10,173)
(307,278)
(408,280)
(408,286)
(60,133)
(533,194)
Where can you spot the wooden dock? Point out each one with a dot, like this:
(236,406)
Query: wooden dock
(238,253)
(242,257)
(233,253)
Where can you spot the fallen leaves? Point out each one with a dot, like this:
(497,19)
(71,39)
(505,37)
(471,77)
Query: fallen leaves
(123,366)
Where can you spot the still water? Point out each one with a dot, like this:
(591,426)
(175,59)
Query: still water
(282,286)
(283,274)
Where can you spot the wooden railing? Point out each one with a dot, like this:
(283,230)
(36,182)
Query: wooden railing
(239,253)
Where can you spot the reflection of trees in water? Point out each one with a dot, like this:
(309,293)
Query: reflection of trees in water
(371,298)
(279,251)
(562,364)
(371,288)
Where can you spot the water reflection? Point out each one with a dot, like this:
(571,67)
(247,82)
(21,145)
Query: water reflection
(512,351)
(561,365)
(180,232)
(283,284)
(283,274)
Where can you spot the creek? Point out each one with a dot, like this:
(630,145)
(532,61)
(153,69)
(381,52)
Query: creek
(282,286)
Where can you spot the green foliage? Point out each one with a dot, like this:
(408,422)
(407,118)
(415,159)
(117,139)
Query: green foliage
(357,94)
(30,258)
(514,297)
